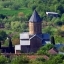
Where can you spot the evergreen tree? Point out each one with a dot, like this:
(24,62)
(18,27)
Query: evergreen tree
(52,40)
(10,45)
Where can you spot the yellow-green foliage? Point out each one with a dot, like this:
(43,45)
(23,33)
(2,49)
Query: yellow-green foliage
(62,27)
(15,24)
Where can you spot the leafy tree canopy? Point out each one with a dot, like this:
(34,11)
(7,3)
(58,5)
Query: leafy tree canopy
(3,35)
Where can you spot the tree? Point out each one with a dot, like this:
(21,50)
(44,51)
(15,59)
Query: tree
(7,25)
(6,4)
(58,22)
(49,29)
(62,18)
(10,44)
(59,39)
(34,7)
(60,8)
(15,6)
(3,35)
(52,40)
(24,27)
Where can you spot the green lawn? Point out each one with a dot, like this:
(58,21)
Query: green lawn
(15,12)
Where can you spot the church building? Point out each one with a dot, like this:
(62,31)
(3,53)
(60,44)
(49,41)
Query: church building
(31,41)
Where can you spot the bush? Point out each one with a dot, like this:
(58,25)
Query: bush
(50,30)
(3,59)
(40,59)
(15,6)
(58,22)
(20,60)
(6,4)
(44,49)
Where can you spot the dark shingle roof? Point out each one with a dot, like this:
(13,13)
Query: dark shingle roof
(35,17)
(46,36)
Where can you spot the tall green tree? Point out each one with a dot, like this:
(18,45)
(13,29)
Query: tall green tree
(3,35)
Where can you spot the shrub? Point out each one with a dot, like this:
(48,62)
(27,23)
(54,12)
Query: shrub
(3,59)
(15,6)
(44,49)
(20,60)
(6,4)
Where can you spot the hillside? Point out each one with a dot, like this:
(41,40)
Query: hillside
(17,13)
(41,5)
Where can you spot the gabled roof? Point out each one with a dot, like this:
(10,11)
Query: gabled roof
(35,17)
(36,36)
(53,51)
(46,36)
(24,35)
(51,13)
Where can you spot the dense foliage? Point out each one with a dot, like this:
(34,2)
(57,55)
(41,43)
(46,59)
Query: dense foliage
(20,60)
(3,35)
(44,49)
(17,14)
(53,59)
(40,5)
(3,59)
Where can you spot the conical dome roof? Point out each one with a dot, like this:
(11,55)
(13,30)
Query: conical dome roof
(35,17)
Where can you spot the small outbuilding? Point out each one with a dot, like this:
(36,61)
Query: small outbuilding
(52,14)
(53,51)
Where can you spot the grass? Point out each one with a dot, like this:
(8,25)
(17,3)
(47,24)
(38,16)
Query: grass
(15,12)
